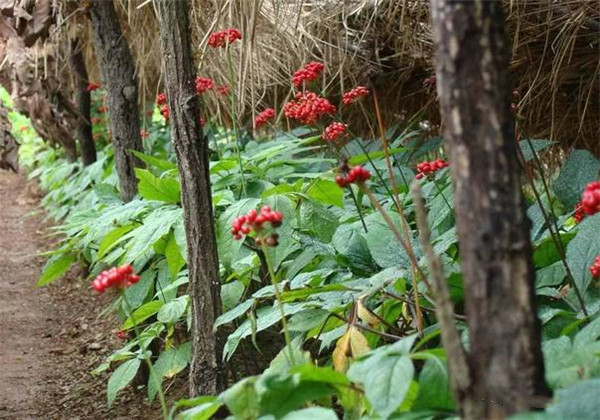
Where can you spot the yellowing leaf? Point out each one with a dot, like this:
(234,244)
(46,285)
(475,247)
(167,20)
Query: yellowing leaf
(358,343)
(340,353)
(406,312)
(366,314)
(351,345)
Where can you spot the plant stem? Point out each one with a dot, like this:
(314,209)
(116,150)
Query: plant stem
(359,210)
(234,119)
(555,235)
(442,193)
(407,246)
(386,153)
(286,333)
(161,395)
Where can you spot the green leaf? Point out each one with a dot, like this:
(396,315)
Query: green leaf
(360,159)
(284,393)
(174,259)
(434,387)
(580,169)
(302,294)
(387,382)
(579,401)
(529,147)
(169,364)
(242,399)
(231,293)
(317,219)
(326,192)
(383,245)
(142,313)
(110,239)
(180,238)
(121,377)
(307,320)
(313,413)
(156,225)
(54,268)
(265,317)
(582,250)
(236,312)
(281,363)
(204,408)
(552,275)
(228,247)
(546,253)
(325,374)
(137,293)
(349,242)
(566,364)
(361,368)
(151,187)
(287,244)
(171,312)
(161,164)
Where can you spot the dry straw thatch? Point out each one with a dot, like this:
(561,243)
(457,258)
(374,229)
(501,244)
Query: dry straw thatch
(386,44)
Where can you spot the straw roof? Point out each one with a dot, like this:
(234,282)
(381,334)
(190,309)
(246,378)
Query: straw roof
(386,44)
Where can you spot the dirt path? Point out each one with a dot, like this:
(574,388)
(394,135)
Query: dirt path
(23,320)
(51,338)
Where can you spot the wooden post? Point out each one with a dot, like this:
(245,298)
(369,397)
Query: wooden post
(118,74)
(496,255)
(191,148)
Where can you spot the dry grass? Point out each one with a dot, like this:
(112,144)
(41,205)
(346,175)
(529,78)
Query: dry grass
(387,45)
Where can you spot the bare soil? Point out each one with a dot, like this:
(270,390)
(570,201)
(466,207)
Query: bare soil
(51,338)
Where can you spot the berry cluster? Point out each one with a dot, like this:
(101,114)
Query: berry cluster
(590,199)
(264,117)
(354,94)
(203,84)
(428,168)
(595,268)
(91,86)
(334,131)
(308,73)
(161,99)
(223,90)
(356,175)
(102,109)
(95,120)
(308,107)
(122,335)
(164,111)
(222,38)
(202,122)
(144,134)
(119,278)
(254,221)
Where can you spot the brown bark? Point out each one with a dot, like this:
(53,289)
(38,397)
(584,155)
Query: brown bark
(83,101)
(191,148)
(35,92)
(118,74)
(9,148)
(472,77)
(458,365)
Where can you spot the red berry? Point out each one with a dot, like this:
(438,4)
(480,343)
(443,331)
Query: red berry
(252,215)
(341,181)
(272,240)
(354,94)
(264,117)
